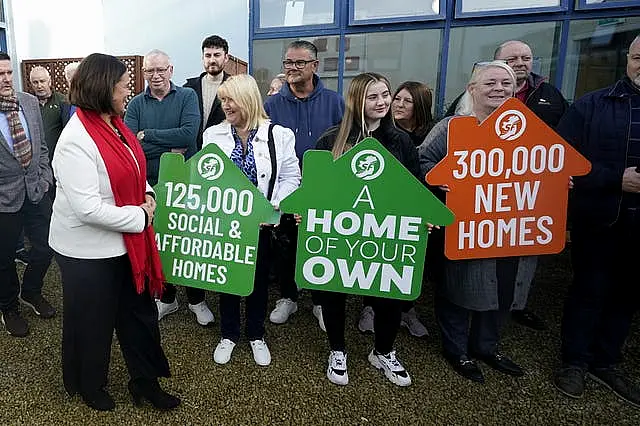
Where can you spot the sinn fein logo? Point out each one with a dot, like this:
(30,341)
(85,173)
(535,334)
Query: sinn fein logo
(367,164)
(510,125)
(210,166)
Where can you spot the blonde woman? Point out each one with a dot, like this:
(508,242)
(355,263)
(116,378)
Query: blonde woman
(474,297)
(367,113)
(243,136)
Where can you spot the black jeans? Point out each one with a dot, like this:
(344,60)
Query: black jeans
(386,320)
(255,303)
(99,296)
(34,219)
(194,295)
(483,336)
(604,294)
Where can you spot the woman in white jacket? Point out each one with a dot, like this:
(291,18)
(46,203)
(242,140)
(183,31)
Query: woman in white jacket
(243,136)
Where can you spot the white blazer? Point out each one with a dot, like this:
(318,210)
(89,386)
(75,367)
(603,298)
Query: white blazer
(288,173)
(86,223)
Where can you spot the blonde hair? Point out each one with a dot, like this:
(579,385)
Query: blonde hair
(465,106)
(354,110)
(243,90)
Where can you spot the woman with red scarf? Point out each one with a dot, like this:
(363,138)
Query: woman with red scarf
(104,244)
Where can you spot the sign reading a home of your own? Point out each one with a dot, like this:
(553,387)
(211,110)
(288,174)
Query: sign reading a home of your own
(207,222)
(364,223)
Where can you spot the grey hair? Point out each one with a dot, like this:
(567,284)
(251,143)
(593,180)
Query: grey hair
(69,68)
(498,50)
(157,52)
(39,68)
(465,106)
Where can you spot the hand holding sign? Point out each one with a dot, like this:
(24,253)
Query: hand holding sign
(508,184)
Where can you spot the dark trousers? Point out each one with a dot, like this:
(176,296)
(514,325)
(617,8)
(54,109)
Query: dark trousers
(406,305)
(99,296)
(194,295)
(34,219)
(255,303)
(386,320)
(284,249)
(604,294)
(483,334)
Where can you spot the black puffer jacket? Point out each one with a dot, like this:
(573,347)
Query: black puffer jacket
(396,141)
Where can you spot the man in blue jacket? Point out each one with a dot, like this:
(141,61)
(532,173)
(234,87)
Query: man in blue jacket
(166,118)
(605,210)
(305,106)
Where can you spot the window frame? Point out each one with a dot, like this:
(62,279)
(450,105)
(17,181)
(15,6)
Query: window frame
(562,7)
(258,29)
(582,5)
(392,20)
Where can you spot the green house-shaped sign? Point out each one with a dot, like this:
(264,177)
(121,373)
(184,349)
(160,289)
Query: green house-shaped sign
(364,223)
(207,222)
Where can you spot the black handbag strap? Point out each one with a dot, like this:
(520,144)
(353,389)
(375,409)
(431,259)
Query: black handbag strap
(274,163)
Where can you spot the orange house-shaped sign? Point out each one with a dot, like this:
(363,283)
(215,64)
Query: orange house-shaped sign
(509,184)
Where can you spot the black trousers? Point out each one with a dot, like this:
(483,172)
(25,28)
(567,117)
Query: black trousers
(604,294)
(483,334)
(100,296)
(284,255)
(34,219)
(194,295)
(255,303)
(386,321)
(406,305)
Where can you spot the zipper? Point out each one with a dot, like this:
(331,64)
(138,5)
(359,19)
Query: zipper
(625,165)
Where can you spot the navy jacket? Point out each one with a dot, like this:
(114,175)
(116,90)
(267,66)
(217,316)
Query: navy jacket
(598,126)
(308,117)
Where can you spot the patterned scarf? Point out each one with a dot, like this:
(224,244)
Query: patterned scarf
(21,144)
(246,163)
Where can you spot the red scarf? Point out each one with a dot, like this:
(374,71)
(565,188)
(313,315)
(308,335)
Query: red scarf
(128,184)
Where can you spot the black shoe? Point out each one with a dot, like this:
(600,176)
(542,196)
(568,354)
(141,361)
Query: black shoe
(99,400)
(39,304)
(618,382)
(22,256)
(150,390)
(569,379)
(15,324)
(466,367)
(527,318)
(501,363)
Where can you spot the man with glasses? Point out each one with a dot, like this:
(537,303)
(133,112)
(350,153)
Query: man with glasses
(308,108)
(165,118)
(215,55)
(545,101)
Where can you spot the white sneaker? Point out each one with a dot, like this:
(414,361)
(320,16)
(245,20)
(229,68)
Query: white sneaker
(412,322)
(165,309)
(284,308)
(204,316)
(391,367)
(365,325)
(337,368)
(261,354)
(317,312)
(222,354)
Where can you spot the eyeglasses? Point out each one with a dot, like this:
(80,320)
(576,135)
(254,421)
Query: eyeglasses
(300,64)
(159,71)
(485,63)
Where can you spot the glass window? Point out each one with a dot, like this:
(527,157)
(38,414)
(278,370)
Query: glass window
(597,54)
(290,13)
(268,54)
(472,44)
(471,6)
(400,56)
(606,1)
(378,9)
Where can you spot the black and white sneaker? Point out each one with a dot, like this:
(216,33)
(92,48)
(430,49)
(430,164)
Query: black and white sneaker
(337,369)
(391,367)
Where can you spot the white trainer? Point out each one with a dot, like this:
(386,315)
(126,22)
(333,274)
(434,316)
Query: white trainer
(261,354)
(223,351)
(365,325)
(317,312)
(411,321)
(204,316)
(284,309)
(337,368)
(165,309)
(391,367)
